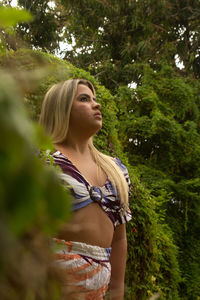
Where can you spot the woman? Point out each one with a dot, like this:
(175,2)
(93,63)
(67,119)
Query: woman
(92,247)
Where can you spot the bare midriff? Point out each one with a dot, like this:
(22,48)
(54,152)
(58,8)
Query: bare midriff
(89,225)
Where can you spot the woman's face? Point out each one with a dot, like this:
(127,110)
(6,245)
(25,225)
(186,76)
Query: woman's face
(85,114)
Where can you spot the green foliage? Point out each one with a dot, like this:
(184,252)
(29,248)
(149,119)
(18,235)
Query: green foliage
(112,37)
(30,210)
(168,274)
(164,115)
(9,18)
(159,127)
(141,234)
(150,247)
(12,16)
(47,35)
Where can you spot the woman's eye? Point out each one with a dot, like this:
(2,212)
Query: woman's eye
(83,99)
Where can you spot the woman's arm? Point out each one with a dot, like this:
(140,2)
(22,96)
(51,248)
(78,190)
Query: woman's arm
(118,263)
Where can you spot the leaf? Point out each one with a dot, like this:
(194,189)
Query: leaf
(11,16)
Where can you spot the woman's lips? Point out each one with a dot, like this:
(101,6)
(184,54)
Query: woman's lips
(98,114)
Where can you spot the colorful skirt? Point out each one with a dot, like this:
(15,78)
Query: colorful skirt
(85,269)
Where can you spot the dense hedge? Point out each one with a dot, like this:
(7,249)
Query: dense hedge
(152,266)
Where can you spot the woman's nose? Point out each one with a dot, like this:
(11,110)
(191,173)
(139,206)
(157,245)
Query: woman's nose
(97,105)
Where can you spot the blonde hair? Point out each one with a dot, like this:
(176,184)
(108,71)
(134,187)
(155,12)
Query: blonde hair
(54,118)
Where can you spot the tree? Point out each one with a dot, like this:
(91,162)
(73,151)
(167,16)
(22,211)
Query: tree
(112,36)
(159,128)
(46,35)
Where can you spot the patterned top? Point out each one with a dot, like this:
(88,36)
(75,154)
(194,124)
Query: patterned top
(84,193)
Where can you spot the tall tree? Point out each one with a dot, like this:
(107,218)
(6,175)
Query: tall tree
(159,128)
(110,36)
(43,31)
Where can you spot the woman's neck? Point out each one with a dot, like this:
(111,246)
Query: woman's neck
(74,147)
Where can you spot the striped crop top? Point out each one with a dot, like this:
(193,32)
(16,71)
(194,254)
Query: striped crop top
(84,193)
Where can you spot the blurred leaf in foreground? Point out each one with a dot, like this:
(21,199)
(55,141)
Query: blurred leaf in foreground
(33,205)
(12,16)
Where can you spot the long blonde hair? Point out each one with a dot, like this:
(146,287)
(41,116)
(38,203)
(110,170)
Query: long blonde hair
(54,118)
